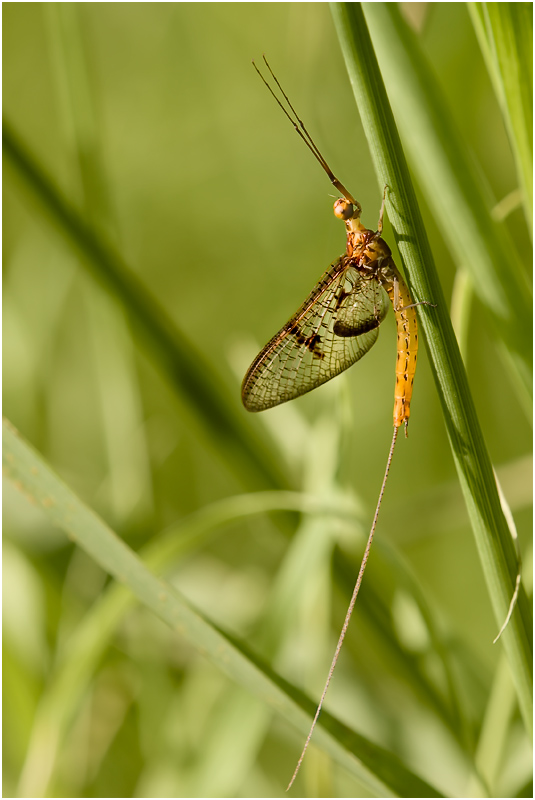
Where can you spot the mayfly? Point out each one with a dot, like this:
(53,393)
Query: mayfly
(336,325)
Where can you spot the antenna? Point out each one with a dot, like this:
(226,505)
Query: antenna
(299,126)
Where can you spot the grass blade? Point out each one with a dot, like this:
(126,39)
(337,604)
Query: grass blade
(377,769)
(505,34)
(471,458)
(216,415)
(461,201)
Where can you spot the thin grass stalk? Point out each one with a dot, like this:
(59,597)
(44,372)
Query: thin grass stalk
(505,35)
(491,532)
(463,204)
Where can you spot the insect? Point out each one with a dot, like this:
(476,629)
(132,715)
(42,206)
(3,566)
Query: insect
(339,321)
(336,325)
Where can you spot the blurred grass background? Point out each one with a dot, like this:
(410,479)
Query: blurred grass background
(153,123)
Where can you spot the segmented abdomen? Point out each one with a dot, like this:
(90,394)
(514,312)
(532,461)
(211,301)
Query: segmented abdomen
(407,341)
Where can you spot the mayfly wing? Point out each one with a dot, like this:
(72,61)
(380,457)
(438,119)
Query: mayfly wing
(336,325)
(362,309)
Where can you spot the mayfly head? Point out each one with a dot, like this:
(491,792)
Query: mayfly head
(345,210)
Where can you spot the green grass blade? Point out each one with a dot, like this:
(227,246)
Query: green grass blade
(82,652)
(216,414)
(492,741)
(461,201)
(505,34)
(377,769)
(78,114)
(471,458)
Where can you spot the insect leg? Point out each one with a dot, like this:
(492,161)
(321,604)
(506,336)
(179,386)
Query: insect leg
(422,303)
(381,212)
(396,294)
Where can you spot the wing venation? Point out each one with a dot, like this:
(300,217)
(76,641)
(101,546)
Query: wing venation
(336,325)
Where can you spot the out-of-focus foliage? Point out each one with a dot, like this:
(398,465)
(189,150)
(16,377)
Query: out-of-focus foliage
(152,122)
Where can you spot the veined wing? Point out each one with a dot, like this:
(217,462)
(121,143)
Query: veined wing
(336,325)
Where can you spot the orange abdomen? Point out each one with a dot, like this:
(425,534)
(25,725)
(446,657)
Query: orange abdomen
(407,344)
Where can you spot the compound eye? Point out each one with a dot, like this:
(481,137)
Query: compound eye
(343,209)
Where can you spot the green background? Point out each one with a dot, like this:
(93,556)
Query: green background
(152,121)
